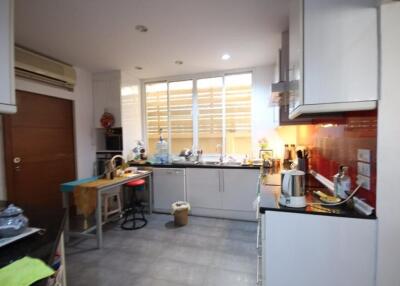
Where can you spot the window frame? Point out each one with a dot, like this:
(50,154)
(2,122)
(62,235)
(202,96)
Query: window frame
(193,78)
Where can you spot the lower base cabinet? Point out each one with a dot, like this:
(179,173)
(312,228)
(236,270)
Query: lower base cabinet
(168,187)
(225,193)
(314,250)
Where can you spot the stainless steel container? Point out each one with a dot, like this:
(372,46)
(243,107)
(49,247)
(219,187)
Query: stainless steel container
(293,183)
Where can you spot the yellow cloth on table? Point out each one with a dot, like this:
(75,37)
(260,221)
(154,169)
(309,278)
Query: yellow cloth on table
(24,272)
(85,195)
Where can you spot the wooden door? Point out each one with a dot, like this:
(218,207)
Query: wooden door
(39,149)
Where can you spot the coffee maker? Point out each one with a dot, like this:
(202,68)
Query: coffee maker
(293,189)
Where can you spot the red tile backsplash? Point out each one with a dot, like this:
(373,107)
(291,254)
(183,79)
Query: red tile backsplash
(336,143)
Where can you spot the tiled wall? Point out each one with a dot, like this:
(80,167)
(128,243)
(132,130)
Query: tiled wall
(336,143)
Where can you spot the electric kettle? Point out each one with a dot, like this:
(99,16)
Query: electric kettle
(293,189)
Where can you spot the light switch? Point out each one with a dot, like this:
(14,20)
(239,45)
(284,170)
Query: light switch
(364,169)
(364,155)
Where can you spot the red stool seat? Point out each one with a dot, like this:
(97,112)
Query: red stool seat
(135,183)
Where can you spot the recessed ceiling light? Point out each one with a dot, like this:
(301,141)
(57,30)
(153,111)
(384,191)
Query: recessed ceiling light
(225,57)
(138,68)
(177,62)
(141,28)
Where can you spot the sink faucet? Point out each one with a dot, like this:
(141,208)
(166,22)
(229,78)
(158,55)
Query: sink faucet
(221,156)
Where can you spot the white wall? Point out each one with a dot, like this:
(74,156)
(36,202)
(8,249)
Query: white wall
(388,186)
(83,120)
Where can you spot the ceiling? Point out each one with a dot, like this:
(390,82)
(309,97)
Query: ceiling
(100,35)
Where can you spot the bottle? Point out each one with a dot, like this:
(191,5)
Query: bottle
(345,182)
(342,183)
(292,152)
(336,182)
(286,157)
(162,149)
(286,154)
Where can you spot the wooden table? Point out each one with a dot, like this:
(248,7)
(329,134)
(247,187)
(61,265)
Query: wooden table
(102,188)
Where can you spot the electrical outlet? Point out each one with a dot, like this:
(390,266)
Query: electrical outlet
(364,169)
(364,181)
(364,155)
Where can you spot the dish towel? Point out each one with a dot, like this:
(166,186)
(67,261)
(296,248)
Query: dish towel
(24,272)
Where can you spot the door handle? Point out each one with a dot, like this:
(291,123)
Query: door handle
(17,160)
(17,168)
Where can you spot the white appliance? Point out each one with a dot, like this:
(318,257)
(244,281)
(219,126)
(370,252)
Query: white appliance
(168,187)
(293,189)
(34,66)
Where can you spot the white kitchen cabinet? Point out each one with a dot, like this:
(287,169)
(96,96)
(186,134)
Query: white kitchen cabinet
(227,193)
(204,189)
(7,90)
(168,187)
(107,96)
(306,249)
(333,56)
(296,53)
(239,189)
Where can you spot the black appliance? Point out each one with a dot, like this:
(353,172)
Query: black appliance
(113,139)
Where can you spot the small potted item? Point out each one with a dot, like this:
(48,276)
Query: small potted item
(12,221)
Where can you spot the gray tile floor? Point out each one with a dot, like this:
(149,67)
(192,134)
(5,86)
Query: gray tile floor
(205,252)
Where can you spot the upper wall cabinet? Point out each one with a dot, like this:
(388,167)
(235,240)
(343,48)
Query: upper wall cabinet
(7,92)
(107,96)
(333,56)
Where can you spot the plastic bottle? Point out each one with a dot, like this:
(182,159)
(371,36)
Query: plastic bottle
(162,150)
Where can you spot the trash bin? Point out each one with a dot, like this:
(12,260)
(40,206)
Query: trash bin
(180,210)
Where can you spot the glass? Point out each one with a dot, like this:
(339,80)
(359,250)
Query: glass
(210,109)
(238,93)
(181,115)
(156,113)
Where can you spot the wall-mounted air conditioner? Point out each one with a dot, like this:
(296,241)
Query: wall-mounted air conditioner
(34,66)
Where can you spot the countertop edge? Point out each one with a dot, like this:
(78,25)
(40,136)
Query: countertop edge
(301,211)
(199,166)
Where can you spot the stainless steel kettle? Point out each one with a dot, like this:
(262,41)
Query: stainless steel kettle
(293,189)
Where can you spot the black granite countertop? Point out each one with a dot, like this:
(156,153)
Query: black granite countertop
(270,191)
(38,245)
(186,165)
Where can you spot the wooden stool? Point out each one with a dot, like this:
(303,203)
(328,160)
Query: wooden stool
(106,197)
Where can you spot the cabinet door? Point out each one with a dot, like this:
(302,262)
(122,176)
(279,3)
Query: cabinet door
(340,51)
(295,53)
(333,245)
(239,189)
(169,187)
(203,188)
(7,92)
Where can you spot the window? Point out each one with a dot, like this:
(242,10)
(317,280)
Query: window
(202,113)
(210,110)
(238,89)
(181,116)
(157,113)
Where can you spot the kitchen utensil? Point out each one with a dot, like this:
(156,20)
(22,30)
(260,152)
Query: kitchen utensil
(326,198)
(293,189)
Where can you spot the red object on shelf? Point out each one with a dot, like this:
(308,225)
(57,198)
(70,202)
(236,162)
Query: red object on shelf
(135,183)
(107,120)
